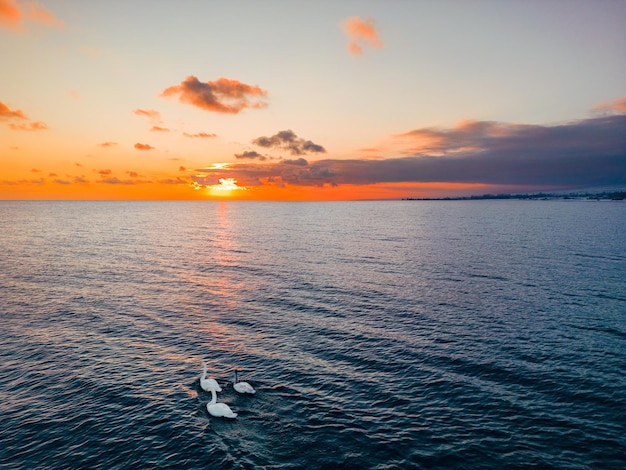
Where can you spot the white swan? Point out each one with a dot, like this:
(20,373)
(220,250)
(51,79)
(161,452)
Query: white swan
(219,410)
(243,387)
(208,384)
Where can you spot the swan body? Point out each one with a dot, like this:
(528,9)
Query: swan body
(219,410)
(243,387)
(208,384)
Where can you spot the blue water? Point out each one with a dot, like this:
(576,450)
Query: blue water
(405,334)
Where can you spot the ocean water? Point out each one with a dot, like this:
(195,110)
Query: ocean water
(383,335)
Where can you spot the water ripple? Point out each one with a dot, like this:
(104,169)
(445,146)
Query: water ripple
(378,335)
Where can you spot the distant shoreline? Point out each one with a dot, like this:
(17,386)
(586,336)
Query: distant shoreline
(600,196)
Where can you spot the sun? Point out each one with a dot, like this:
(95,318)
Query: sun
(225,187)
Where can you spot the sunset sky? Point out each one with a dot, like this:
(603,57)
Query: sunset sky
(296,100)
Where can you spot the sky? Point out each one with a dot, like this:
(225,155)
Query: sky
(297,100)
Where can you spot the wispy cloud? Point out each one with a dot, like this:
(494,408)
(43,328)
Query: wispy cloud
(107,144)
(140,146)
(90,51)
(13,15)
(199,135)
(159,129)
(221,96)
(31,126)
(288,140)
(173,181)
(151,114)
(581,154)
(361,32)
(115,180)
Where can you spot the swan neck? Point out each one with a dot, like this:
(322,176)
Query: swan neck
(213,397)
(203,370)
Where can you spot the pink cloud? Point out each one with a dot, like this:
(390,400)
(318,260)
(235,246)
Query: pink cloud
(5,112)
(361,32)
(159,129)
(10,14)
(220,96)
(13,15)
(619,106)
(39,14)
(31,126)
(107,144)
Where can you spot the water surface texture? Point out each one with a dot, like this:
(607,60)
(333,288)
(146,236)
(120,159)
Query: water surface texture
(405,334)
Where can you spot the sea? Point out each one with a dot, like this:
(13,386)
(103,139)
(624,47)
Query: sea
(378,334)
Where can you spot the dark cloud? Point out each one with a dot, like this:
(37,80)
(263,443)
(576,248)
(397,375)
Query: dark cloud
(250,155)
(288,140)
(296,162)
(221,96)
(581,154)
(173,181)
(115,180)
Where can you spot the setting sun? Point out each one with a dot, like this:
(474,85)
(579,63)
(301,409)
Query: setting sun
(225,186)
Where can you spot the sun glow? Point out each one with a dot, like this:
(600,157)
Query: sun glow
(225,186)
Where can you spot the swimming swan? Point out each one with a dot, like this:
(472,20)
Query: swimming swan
(208,384)
(219,410)
(243,387)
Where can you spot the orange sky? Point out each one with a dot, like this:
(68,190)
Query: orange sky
(217,101)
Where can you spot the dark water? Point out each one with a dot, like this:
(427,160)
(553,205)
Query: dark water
(476,334)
